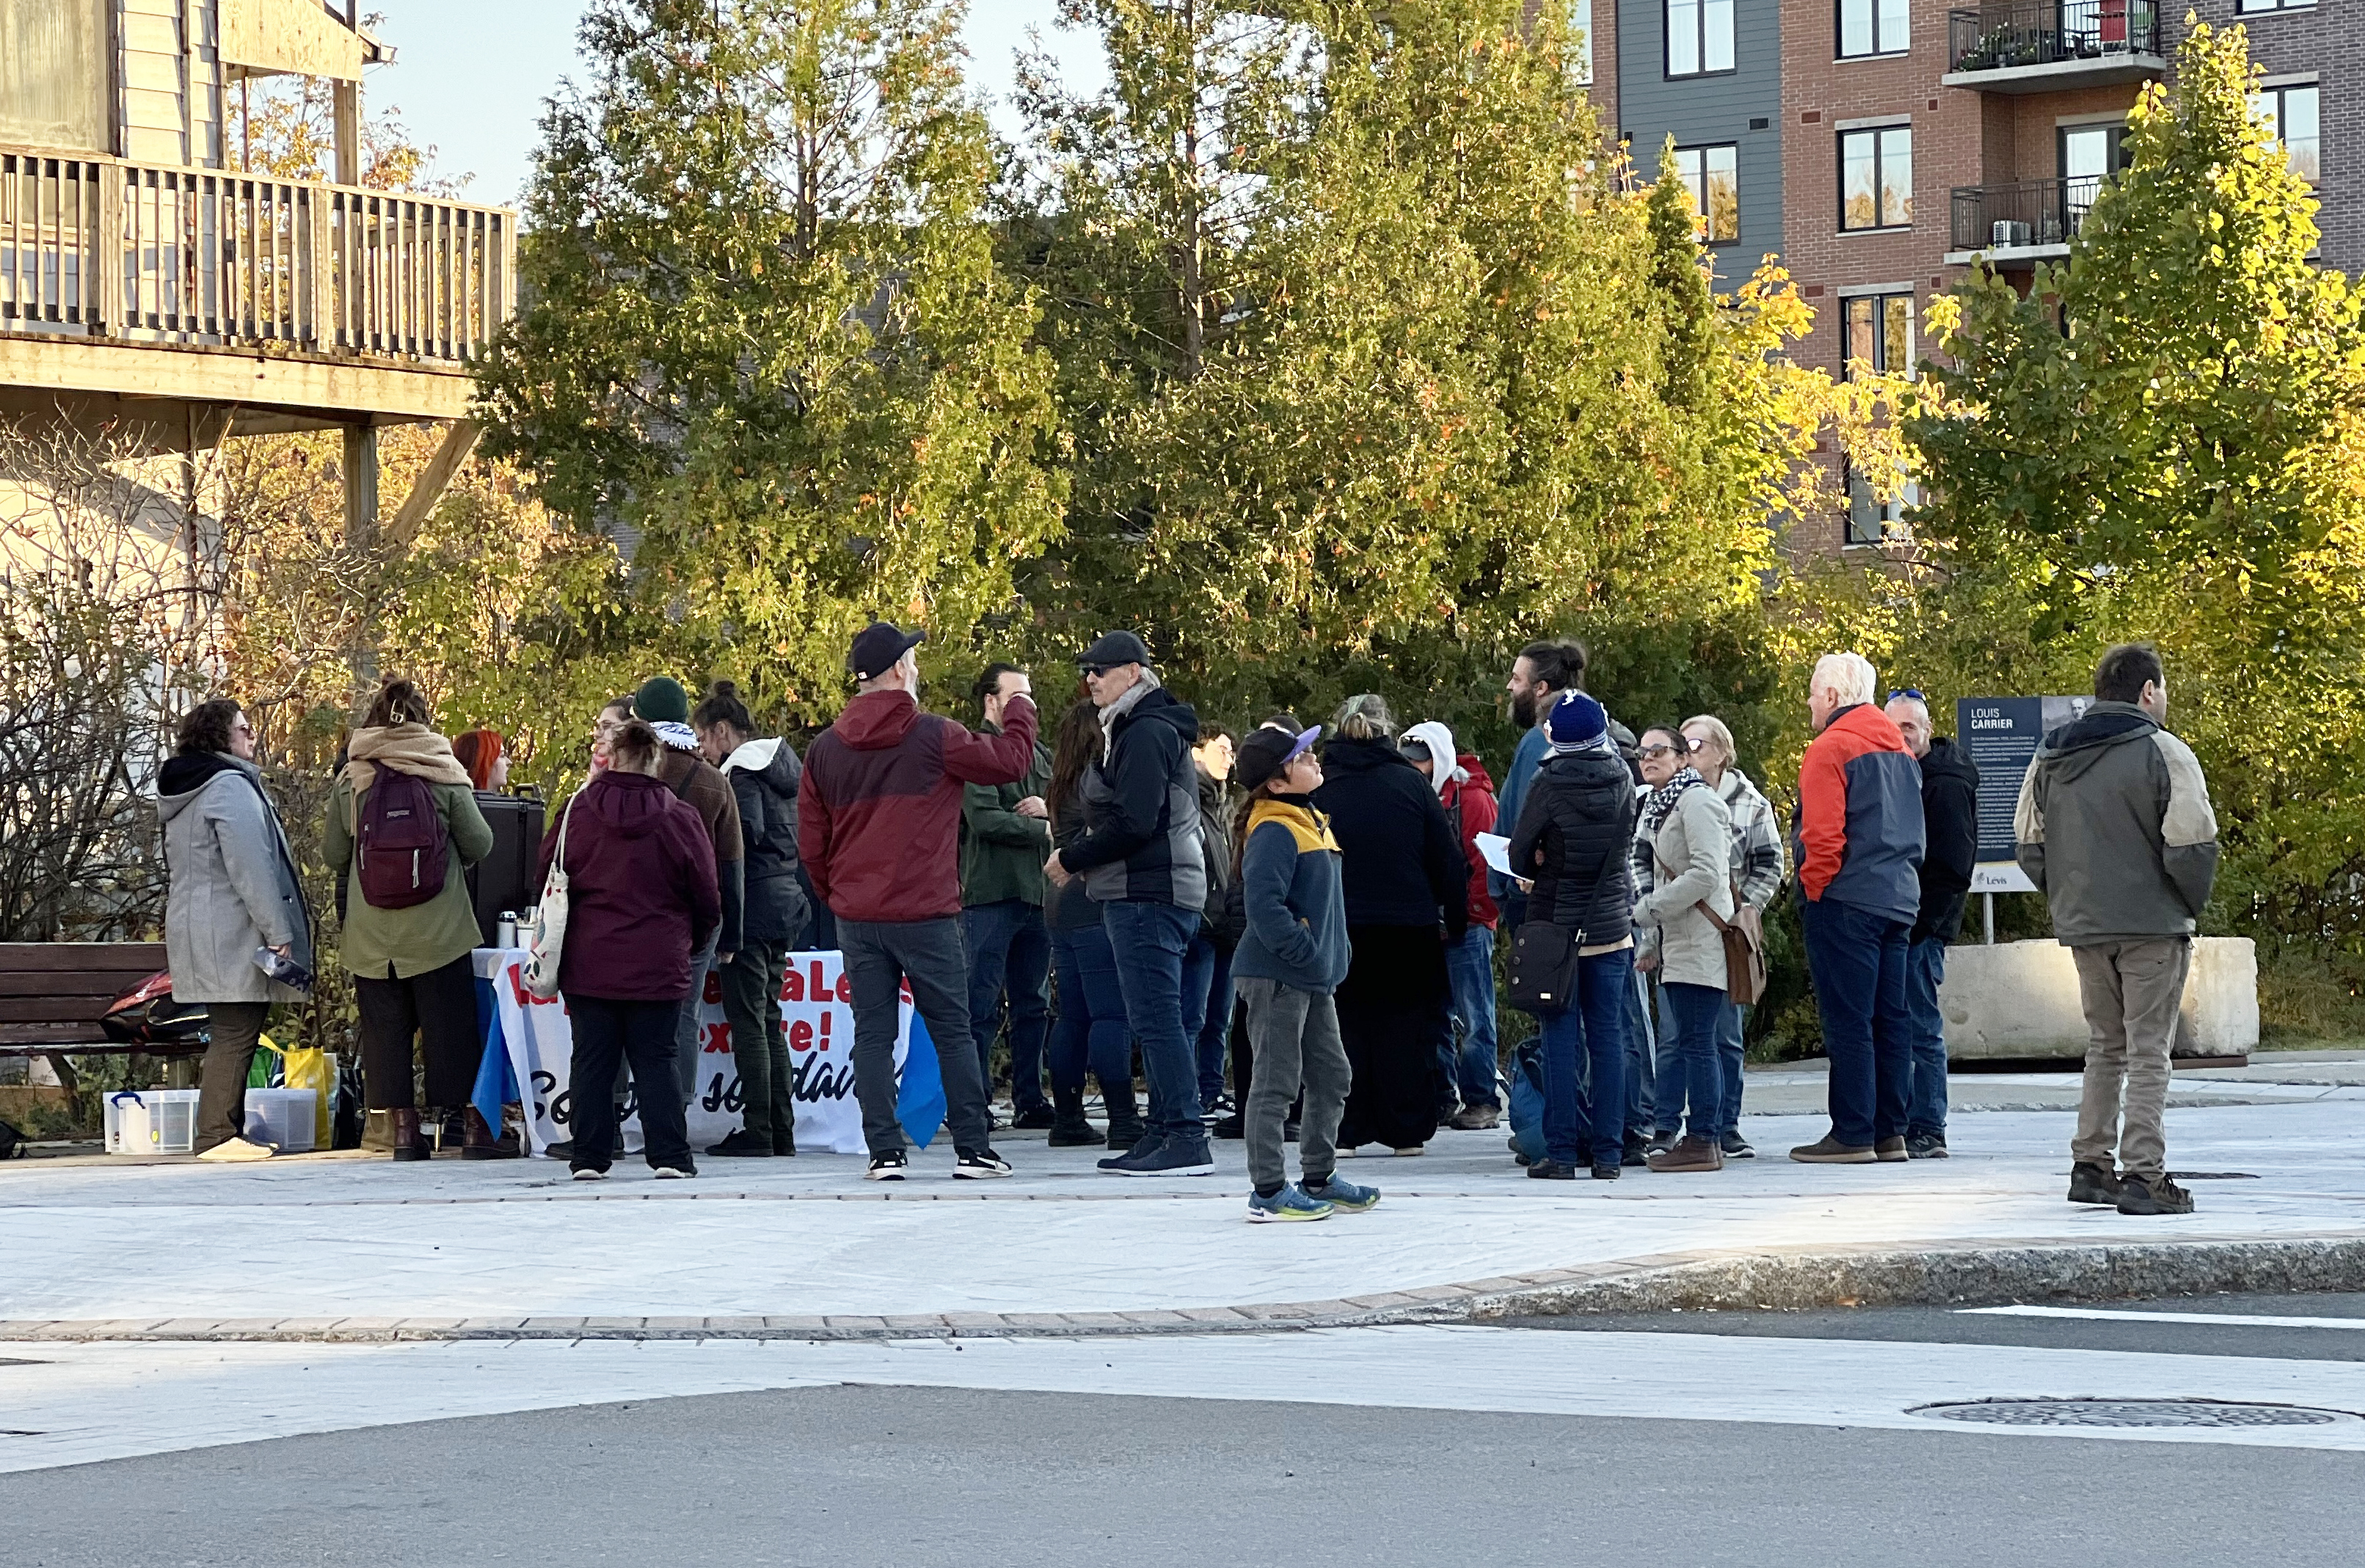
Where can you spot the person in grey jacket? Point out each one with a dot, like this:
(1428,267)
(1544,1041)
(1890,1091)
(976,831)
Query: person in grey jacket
(233,891)
(1290,961)
(1759,867)
(1688,834)
(2115,828)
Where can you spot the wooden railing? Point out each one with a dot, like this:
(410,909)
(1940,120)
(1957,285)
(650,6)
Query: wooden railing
(152,253)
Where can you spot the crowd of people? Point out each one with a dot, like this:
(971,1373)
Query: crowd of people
(1324,916)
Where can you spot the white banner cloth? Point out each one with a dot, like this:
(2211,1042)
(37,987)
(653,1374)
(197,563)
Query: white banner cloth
(816,1014)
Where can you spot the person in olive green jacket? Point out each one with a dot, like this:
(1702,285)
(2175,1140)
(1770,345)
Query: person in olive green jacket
(410,968)
(1005,837)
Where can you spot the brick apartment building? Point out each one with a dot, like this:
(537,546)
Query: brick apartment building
(1879,145)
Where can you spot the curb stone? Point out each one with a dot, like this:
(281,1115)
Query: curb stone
(1786,1280)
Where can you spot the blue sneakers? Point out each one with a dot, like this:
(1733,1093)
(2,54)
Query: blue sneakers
(1344,1195)
(1291,1202)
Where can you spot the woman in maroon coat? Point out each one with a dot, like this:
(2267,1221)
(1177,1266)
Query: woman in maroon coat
(641,899)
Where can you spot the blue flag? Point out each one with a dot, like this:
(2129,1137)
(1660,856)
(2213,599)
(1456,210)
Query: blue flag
(919,1096)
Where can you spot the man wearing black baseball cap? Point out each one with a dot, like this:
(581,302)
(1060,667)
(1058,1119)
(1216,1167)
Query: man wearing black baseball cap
(1141,862)
(878,822)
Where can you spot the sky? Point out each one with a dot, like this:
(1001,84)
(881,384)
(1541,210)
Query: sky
(470,75)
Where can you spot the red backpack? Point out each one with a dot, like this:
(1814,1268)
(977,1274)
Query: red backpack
(401,842)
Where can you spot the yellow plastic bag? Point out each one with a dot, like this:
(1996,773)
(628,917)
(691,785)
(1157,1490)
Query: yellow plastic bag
(305,1068)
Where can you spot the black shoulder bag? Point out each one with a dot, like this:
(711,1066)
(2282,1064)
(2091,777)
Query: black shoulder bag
(1543,959)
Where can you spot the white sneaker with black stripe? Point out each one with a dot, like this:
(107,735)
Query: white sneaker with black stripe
(888,1167)
(980,1165)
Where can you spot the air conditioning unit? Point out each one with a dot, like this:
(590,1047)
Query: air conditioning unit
(2007,231)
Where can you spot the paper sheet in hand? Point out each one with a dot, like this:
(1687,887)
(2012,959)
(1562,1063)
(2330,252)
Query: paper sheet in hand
(1497,851)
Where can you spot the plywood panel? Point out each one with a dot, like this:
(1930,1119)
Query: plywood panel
(288,35)
(53,87)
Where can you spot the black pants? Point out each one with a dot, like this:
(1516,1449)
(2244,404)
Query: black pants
(605,1033)
(880,957)
(232,1029)
(751,1000)
(439,1007)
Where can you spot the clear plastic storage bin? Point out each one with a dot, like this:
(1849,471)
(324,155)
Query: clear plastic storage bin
(287,1117)
(152,1121)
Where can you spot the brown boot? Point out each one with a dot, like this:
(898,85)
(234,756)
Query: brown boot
(1690,1154)
(478,1139)
(407,1144)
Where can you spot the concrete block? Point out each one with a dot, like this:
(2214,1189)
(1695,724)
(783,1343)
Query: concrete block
(2020,998)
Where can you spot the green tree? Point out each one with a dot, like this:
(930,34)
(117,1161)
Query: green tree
(767,346)
(2160,439)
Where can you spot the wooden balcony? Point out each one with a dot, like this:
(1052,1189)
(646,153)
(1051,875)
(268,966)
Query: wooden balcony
(306,304)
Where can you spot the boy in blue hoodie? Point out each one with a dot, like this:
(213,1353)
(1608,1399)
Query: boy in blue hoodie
(1290,959)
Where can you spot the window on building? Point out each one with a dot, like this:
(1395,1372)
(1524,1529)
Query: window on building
(1878,329)
(1871,520)
(1699,37)
(2248,7)
(1871,27)
(1713,176)
(2289,114)
(1580,16)
(1876,177)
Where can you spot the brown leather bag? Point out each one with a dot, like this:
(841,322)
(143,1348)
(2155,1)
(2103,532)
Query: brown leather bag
(1744,950)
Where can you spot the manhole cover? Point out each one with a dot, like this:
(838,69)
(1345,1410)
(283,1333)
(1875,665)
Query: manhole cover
(2218,1413)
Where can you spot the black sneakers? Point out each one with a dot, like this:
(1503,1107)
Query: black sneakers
(1167,1157)
(739,1141)
(888,1167)
(979,1164)
(1034,1119)
(1737,1147)
(1925,1146)
(2153,1195)
(1551,1170)
(2097,1184)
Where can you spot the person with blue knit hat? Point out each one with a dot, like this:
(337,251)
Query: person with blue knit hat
(1569,853)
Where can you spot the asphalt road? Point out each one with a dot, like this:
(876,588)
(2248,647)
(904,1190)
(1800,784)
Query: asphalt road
(2226,1335)
(853,1476)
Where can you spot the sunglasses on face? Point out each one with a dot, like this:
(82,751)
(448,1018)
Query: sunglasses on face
(1907,691)
(1662,751)
(1094,672)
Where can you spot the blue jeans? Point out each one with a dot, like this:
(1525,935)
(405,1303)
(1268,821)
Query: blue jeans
(1667,1070)
(1010,950)
(1207,1012)
(1640,1095)
(1092,1029)
(1857,960)
(1734,1055)
(1591,1029)
(1151,942)
(1925,969)
(1470,1066)
(1690,1072)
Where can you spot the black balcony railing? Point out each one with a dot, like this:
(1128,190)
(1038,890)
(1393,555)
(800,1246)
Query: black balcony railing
(2026,212)
(2000,37)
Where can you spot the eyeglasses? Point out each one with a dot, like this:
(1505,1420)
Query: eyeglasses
(1907,691)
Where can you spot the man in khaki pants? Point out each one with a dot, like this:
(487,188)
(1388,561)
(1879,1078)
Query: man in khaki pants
(2114,828)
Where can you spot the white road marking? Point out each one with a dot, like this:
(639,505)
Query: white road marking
(2219,1319)
(88,1403)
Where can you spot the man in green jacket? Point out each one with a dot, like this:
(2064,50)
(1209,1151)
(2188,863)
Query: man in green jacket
(2113,826)
(1005,837)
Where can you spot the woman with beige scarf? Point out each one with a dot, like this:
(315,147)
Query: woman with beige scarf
(409,964)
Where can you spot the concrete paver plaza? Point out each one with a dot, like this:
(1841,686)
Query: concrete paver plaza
(364,1242)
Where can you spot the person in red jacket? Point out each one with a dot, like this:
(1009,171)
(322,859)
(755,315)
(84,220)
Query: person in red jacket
(878,829)
(1468,1069)
(640,899)
(1859,858)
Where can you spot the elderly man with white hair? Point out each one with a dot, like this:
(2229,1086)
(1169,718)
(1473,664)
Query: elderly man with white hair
(1859,848)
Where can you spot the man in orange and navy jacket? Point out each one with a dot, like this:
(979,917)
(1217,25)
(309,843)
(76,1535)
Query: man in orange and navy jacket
(1858,849)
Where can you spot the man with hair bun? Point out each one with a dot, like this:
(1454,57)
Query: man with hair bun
(1858,850)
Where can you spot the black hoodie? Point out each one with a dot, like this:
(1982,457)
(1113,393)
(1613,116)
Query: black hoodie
(1950,824)
(1398,862)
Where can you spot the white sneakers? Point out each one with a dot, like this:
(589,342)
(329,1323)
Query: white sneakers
(240,1150)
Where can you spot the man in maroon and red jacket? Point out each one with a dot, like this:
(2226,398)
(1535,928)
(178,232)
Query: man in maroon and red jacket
(1859,848)
(878,829)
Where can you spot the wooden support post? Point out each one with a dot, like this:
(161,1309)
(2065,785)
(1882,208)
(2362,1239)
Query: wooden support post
(362,537)
(458,442)
(348,133)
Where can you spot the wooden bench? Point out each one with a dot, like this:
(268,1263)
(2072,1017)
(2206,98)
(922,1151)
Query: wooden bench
(53,994)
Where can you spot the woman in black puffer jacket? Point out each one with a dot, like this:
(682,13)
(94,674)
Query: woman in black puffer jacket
(1570,852)
(1407,893)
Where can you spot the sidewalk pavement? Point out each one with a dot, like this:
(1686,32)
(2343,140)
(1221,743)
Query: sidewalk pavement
(346,1248)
